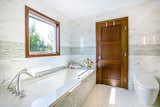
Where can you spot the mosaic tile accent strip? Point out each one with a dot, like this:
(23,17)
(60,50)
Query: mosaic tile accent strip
(65,51)
(16,50)
(83,51)
(10,49)
(149,50)
(153,50)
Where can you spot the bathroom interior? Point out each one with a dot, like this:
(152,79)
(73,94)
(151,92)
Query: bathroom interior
(79,53)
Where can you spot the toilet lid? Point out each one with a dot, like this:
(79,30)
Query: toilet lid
(147,82)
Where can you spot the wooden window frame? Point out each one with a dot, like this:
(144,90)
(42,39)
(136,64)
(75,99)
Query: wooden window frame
(29,10)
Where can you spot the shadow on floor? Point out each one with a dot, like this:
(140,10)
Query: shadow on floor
(157,103)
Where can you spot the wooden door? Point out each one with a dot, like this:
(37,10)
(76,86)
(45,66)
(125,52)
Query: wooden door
(112,52)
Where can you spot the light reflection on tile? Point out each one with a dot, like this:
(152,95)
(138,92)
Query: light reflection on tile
(100,97)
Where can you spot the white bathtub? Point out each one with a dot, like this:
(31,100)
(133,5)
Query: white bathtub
(43,91)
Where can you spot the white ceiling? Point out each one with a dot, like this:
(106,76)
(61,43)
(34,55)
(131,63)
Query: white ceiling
(79,8)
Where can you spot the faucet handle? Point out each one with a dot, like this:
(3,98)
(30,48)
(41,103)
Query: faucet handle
(12,90)
(24,70)
(21,94)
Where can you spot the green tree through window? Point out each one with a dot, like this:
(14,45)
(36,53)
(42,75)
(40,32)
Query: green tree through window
(42,34)
(36,44)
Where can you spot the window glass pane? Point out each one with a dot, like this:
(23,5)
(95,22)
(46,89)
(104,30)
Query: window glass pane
(42,36)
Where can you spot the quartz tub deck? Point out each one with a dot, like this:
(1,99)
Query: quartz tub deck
(45,90)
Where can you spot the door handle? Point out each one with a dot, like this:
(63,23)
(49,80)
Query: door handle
(125,53)
(99,57)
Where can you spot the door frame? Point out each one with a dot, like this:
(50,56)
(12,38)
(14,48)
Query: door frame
(124,75)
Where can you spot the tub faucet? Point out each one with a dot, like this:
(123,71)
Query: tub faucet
(17,89)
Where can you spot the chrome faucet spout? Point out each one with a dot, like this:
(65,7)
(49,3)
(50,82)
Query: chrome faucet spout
(18,90)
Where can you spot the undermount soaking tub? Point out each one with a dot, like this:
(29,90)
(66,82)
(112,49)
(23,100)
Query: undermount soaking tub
(45,90)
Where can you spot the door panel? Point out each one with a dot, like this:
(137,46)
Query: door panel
(107,33)
(112,51)
(112,71)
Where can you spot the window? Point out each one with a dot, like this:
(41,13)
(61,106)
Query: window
(42,34)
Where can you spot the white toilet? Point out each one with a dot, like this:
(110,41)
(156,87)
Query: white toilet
(146,87)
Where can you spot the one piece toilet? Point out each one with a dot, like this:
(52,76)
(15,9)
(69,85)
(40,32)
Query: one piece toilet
(146,87)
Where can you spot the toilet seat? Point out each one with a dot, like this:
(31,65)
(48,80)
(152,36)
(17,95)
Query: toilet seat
(147,82)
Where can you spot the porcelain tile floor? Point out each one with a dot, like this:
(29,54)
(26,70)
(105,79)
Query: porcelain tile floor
(106,96)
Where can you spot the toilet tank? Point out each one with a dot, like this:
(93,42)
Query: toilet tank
(146,87)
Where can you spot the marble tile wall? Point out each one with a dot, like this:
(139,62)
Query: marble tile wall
(11,50)
(148,50)
(80,43)
(12,38)
(144,36)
